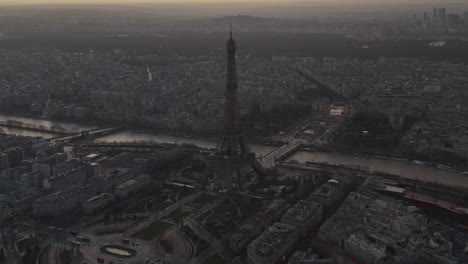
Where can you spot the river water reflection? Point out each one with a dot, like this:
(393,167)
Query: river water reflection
(46,123)
(134,136)
(26,133)
(123,136)
(402,168)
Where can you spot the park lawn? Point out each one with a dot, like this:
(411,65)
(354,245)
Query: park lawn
(153,230)
(220,231)
(26,243)
(203,216)
(124,161)
(66,256)
(224,214)
(204,199)
(181,195)
(224,210)
(200,244)
(180,213)
(159,206)
(215,259)
(137,208)
(167,246)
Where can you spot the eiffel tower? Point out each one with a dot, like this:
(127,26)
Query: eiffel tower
(233,155)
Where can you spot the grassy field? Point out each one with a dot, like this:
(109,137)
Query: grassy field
(138,207)
(124,161)
(167,246)
(152,231)
(204,199)
(158,201)
(215,259)
(225,211)
(66,257)
(180,213)
(26,243)
(190,207)
(220,220)
(200,244)
(203,216)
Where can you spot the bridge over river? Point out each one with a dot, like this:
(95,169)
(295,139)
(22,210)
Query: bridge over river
(86,133)
(268,153)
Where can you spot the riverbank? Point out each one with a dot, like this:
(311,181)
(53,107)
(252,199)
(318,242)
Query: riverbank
(395,158)
(387,166)
(454,194)
(129,135)
(37,129)
(47,126)
(391,166)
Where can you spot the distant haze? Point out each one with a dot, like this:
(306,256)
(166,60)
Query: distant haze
(374,2)
(194,9)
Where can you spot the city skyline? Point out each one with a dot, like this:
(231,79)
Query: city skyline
(283,2)
(234,133)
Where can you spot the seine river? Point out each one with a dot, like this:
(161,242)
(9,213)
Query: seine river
(126,136)
(402,168)
(123,136)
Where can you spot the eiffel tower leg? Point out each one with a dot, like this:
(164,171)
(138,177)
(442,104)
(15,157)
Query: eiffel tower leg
(240,179)
(258,168)
(223,173)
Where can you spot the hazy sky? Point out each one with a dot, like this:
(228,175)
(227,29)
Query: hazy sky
(250,3)
(133,1)
(14,2)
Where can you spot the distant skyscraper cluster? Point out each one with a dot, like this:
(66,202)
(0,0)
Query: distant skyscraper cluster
(442,21)
(439,14)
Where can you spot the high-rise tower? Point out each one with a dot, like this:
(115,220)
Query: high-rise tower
(442,14)
(233,154)
(231,143)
